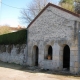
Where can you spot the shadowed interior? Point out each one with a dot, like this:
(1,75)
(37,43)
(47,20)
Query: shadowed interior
(66,57)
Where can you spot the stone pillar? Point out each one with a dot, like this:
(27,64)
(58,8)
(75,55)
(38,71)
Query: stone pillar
(29,54)
(61,58)
(74,60)
(56,58)
(41,54)
(25,56)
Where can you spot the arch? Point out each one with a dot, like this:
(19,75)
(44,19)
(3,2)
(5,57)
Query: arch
(49,52)
(66,57)
(35,55)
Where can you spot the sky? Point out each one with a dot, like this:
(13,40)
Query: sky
(11,16)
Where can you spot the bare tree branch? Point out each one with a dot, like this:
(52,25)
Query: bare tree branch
(27,15)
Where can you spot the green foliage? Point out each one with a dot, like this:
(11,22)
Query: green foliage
(67,4)
(77,0)
(67,1)
(77,6)
(72,5)
(19,37)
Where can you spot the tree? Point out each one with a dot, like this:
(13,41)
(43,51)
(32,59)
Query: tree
(67,1)
(33,9)
(77,6)
(67,4)
(72,5)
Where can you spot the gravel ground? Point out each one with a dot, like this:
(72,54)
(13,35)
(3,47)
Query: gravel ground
(17,72)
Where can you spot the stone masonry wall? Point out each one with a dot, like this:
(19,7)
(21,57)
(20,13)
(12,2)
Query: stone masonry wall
(52,24)
(56,28)
(13,53)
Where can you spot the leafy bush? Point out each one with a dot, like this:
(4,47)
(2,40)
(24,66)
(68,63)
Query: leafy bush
(19,37)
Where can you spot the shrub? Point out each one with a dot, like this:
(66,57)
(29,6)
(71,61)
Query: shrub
(19,37)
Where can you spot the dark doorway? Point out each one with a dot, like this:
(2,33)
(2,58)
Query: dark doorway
(50,52)
(66,57)
(36,56)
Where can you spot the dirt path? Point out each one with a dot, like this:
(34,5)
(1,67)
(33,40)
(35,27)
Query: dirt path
(13,72)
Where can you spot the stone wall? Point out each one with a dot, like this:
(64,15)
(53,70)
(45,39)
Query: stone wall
(13,53)
(52,24)
(56,28)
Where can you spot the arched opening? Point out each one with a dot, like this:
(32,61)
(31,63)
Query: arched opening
(35,55)
(49,53)
(66,57)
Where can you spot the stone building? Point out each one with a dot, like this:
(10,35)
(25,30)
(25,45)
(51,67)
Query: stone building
(53,40)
